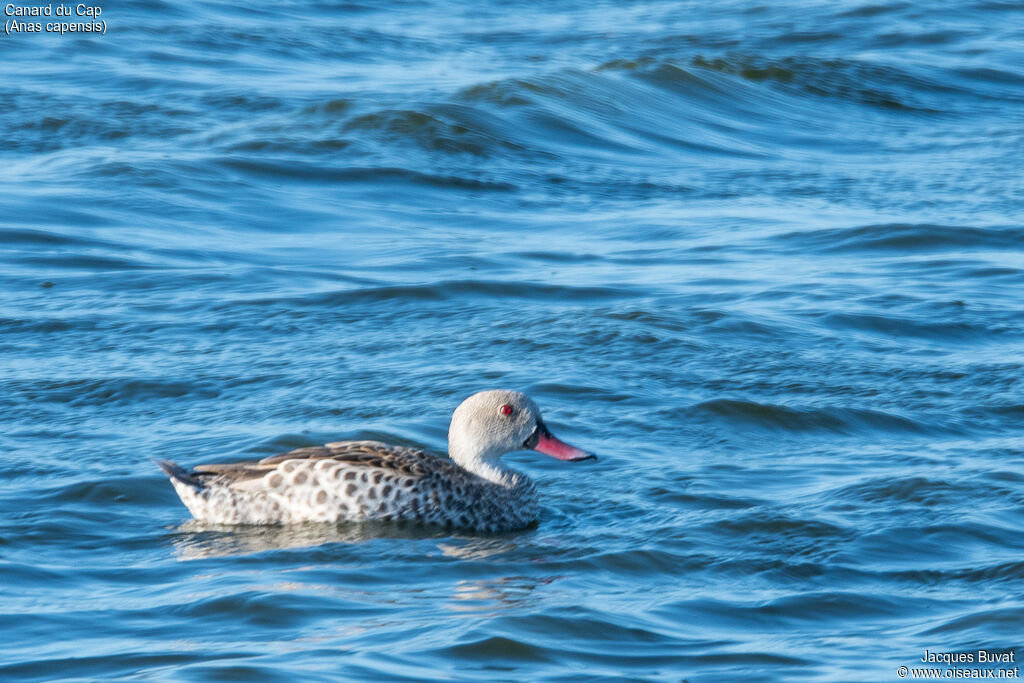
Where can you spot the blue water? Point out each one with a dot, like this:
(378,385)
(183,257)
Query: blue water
(767,260)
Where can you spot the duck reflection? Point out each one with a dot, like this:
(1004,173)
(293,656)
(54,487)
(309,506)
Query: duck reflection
(477,597)
(481,597)
(195,540)
(477,548)
(199,540)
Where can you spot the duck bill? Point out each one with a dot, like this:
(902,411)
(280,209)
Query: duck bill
(547,443)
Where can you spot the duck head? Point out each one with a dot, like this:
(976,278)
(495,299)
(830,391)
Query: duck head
(489,424)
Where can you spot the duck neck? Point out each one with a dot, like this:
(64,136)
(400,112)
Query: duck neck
(486,465)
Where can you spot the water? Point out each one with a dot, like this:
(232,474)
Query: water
(765,259)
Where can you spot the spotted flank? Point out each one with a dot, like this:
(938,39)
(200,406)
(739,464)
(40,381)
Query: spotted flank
(353,481)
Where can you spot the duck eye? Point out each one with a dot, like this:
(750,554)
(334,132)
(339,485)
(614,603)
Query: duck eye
(506,409)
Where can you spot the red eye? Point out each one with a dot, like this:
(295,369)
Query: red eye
(506,409)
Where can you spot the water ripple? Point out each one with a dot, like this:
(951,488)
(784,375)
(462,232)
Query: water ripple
(765,259)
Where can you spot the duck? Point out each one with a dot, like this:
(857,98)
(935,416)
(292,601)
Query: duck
(358,481)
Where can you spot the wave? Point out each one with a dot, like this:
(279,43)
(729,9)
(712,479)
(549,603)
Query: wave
(440,291)
(875,85)
(375,175)
(836,419)
(717,105)
(37,237)
(902,237)
(111,390)
(902,490)
(979,626)
(437,131)
(32,128)
(894,326)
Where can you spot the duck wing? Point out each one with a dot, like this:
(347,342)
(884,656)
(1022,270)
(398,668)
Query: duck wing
(389,460)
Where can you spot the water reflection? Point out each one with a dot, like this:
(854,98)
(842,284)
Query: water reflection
(194,540)
(198,540)
(478,548)
(478,597)
(490,596)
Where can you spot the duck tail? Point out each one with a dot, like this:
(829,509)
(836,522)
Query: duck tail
(176,472)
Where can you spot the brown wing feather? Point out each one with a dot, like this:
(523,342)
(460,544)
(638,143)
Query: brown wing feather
(400,460)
